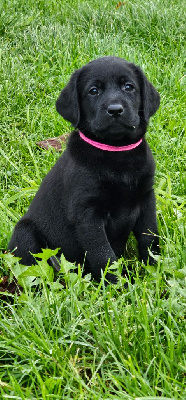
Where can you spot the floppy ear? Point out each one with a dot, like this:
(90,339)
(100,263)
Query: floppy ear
(150,97)
(67,103)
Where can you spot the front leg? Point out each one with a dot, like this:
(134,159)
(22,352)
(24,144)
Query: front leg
(146,230)
(93,239)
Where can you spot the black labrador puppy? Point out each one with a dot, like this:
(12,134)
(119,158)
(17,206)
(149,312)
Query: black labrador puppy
(101,188)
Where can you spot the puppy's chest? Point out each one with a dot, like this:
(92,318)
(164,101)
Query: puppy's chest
(124,188)
(120,202)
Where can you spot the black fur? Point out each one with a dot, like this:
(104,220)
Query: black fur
(92,199)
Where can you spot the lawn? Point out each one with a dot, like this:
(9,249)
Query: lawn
(69,337)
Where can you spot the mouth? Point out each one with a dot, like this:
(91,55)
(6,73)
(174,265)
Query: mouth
(115,130)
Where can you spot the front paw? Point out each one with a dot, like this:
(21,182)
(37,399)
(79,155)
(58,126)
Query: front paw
(111,278)
(150,256)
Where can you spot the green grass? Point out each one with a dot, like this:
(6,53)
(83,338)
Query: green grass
(80,340)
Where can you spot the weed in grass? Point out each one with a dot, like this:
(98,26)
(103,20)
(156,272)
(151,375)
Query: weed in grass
(107,342)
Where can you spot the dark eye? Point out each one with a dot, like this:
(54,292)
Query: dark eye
(129,87)
(94,90)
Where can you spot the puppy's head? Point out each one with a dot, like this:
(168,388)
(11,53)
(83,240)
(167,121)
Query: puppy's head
(110,99)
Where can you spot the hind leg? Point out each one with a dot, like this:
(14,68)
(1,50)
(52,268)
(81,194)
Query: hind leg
(26,239)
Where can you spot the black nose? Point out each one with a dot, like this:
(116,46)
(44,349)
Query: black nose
(115,110)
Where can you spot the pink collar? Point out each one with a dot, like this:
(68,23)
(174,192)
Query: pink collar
(107,146)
